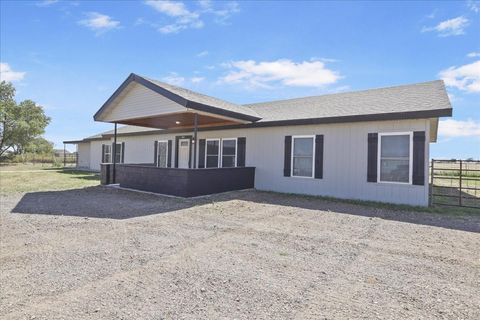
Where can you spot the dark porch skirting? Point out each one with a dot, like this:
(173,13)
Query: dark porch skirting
(182,182)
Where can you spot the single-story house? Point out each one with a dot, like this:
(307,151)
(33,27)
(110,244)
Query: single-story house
(367,145)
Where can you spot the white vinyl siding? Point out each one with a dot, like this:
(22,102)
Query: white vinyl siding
(137,101)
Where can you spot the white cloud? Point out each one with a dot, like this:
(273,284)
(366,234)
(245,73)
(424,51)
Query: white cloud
(473,54)
(456,128)
(283,71)
(466,77)
(197,79)
(184,18)
(178,80)
(474,6)
(222,14)
(7,74)
(174,78)
(99,22)
(202,54)
(452,27)
(46,3)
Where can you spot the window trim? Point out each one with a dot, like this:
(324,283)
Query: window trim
(158,153)
(105,146)
(117,149)
(410,156)
(221,152)
(292,156)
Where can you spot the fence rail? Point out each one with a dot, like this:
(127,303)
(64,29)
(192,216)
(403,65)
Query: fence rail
(66,160)
(455,183)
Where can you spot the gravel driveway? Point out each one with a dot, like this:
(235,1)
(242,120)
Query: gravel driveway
(101,253)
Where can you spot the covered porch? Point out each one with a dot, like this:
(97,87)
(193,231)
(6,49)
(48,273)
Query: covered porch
(184,172)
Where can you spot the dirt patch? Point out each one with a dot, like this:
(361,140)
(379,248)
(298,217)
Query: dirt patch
(112,254)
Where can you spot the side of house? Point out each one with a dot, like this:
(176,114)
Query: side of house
(344,160)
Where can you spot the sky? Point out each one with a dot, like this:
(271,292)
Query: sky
(70,56)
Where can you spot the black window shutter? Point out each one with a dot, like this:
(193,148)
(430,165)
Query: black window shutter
(155,153)
(169,154)
(319,156)
(122,157)
(201,153)
(288,153)
(372,157)
(241,148)
(418,176)
(103,153)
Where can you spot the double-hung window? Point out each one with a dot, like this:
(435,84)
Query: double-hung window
(212,156)
(303,156)
(118,153)
(107,155)
(395,157)
(162,152)
(229,153)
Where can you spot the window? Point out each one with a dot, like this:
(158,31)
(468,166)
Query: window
(107,155)
(162,154)
(118,153)
(303,156)
(395,157)
(212,155)
(229,153)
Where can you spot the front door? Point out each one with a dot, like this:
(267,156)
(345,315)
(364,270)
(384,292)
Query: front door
(183,152)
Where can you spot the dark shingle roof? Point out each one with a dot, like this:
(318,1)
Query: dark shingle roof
(204,99)
(420,100)
(426,96)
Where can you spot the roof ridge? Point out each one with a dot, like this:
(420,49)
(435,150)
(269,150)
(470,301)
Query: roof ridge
(346,92)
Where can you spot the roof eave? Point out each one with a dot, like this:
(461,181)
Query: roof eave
(174,97)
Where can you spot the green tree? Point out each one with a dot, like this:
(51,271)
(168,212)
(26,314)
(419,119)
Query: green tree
(40,146)
(20,123)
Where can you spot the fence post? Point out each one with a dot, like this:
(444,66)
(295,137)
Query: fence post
(430,198)
(460,186)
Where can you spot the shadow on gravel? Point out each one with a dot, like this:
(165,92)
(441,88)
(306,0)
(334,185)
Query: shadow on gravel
(100,202)
(105,202)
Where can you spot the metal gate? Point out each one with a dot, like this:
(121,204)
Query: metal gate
(455,183)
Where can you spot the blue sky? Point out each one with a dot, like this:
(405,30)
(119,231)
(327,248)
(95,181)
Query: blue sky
(70,56)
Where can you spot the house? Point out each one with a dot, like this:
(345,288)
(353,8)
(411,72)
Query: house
(368,145)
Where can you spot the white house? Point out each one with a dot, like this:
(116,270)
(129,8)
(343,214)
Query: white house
(367,145)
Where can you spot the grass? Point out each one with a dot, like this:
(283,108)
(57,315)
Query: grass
(31,178)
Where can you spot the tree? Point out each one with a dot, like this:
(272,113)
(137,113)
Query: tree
(20,123)
(40,146)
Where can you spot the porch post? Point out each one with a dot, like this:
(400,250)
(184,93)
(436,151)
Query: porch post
(64,156)
(195,141)
(114,153)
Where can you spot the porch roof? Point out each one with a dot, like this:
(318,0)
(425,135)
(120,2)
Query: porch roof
(169,107)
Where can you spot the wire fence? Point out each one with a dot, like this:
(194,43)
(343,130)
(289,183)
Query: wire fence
(455,183)
(50,159)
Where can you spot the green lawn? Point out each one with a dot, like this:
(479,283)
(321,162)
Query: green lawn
(30,178)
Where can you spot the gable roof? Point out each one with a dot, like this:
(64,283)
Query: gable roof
(187,98)
(420,100)
(427,99)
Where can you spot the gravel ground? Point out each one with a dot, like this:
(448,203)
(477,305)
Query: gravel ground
(102,253)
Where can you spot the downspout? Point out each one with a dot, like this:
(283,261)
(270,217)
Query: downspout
(195,129)
(114,154)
